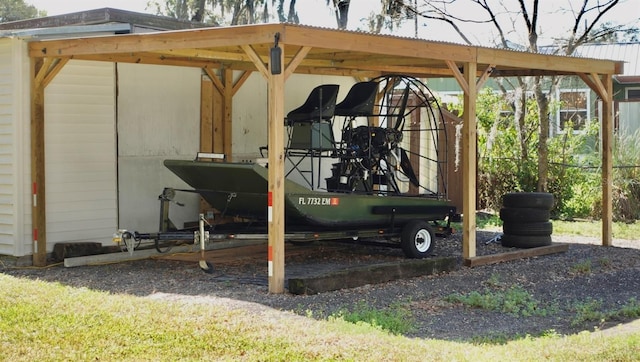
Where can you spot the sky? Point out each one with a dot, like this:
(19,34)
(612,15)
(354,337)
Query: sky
(316,12)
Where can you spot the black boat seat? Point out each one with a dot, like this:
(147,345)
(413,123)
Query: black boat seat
(359,101)
(320,105)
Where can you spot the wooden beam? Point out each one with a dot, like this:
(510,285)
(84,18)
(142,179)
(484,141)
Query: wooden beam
(276,180)
(462,81)
(227,98)
(257,61)
(607,161)
(149,58)
(372,274)
(53,71)
(514,255)
(206,115)
(214,78)
(469,166)
(297,59)
(522,60)
(243,78)
(208,38)
(596,84)
(203,54)
(484,76)
(218,120)
(373,44)
(39,71)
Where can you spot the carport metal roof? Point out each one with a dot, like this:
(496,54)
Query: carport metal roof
(310,50)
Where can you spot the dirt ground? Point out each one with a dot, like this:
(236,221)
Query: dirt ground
(558,286)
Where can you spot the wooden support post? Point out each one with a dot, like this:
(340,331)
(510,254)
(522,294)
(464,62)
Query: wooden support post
(607,161)
(469,166)
(38,210)
(276,181)
(206,115)
(227,98)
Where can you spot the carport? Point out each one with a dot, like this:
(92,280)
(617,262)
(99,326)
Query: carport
(277,51)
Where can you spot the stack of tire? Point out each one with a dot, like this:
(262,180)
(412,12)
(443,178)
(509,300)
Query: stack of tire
(525,219)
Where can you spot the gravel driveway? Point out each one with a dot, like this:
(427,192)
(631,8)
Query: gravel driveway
(604,278)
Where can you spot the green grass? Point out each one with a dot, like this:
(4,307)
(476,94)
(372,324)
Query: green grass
(621,230)
(50,322)
(513,300)
(396,319)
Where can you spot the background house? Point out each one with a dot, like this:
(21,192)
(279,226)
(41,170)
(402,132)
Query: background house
(578,102)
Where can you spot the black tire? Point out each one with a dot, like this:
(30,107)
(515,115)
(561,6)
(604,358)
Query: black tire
(417,239)
(524,241)
(535,200)
(533,228)
(524,215)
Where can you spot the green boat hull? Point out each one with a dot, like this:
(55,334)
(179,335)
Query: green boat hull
(240,189)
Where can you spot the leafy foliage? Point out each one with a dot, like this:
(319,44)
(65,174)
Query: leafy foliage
(507,162)
(12,10)
(227,12)
(513,300)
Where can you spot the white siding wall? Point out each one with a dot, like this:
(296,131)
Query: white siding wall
(8,144)
(158,118)
(80,162)
(250,117)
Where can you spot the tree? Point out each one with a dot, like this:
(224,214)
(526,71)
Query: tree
(506,18)
(12,10)
(228,12)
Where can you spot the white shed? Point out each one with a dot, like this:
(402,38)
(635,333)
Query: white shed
(109,126)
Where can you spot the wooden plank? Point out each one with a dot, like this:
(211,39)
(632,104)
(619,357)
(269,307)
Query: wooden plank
(469,166)
(206,115)
(147,42)
(149,253)
(371,274)
(514,255)
(565,64)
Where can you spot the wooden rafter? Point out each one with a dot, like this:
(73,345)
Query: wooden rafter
(295,61)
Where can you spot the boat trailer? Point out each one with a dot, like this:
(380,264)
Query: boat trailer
(416,238)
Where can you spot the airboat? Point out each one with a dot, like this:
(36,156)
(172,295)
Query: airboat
(383,177)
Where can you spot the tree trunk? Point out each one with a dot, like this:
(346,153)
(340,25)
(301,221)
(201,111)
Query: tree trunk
(199,14)
(342,13)
(519,113)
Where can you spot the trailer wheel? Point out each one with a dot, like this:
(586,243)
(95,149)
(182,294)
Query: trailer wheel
(417,239)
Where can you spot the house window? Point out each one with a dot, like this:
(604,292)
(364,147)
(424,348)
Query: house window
(573,112)
(633,93)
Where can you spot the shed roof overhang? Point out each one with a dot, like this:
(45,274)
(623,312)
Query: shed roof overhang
(325,51)
(310,50)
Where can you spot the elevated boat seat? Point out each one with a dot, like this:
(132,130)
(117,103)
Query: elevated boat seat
(319,106)
(359,101)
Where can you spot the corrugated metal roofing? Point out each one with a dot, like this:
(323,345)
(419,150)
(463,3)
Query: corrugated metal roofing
(626,52)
